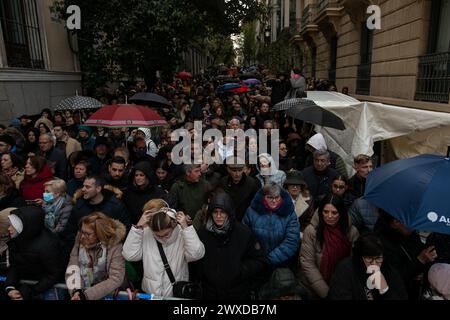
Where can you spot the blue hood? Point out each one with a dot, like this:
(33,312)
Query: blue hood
(284,210)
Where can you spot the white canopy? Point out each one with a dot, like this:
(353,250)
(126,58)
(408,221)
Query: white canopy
(415,131)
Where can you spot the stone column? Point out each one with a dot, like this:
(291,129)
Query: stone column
(286,14)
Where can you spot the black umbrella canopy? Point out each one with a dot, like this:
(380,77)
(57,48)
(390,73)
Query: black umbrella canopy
(315,114)
(294,102)
(152,99)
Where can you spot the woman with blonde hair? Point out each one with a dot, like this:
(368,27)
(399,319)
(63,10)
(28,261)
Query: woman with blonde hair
(57,205)
(161,228)
(96,267)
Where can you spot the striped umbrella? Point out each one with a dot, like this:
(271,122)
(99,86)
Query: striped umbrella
(294,102)
(78,103)
(125,115)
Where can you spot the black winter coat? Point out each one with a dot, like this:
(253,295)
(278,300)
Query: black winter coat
(349,282)
(34,255)
(401,252)
(241,193)
(135,198)
(229,263)
(319,183)
(12,199)
(110,206)
(57,161)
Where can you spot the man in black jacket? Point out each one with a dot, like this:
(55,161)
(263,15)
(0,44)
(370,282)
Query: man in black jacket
(357,184)
(95,198)
(56,158)
(319,176)
(34,255)
(239,187)
(116,174)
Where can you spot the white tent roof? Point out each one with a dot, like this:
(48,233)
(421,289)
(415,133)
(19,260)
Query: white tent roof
(368,122)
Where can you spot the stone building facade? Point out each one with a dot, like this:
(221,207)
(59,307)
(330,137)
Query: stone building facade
(406,62)
(38,59)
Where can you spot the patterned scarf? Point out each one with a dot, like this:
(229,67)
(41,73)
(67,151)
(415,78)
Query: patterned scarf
(336,247)
(52,212)
(92,263)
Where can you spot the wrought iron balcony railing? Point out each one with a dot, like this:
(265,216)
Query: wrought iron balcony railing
(433,79)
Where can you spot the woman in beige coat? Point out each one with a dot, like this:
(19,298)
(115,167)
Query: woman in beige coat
(325,244)
(96,267)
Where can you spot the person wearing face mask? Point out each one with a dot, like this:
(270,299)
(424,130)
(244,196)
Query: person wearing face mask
(140,151)
(57,205)
(34,254)
(366,275)
(179,241)
(96,267)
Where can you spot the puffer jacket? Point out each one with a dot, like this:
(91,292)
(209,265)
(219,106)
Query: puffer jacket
(34,255)
(115,265)
(182,247)
(277,231)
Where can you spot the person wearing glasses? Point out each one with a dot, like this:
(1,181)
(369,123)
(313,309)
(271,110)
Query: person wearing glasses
(298,190)
(325,244)
(272,218)
(366,275)
(96,267)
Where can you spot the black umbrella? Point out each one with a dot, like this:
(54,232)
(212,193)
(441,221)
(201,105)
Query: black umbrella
(78,102)
(294,102)
(152,99)
(315,114)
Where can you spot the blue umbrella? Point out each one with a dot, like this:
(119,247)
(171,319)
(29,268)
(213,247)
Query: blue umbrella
(228,86)
(416,191)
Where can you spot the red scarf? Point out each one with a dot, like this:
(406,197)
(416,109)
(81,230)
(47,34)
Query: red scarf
(336,247)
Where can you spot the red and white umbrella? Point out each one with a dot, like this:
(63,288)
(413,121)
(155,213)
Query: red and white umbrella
(125,115)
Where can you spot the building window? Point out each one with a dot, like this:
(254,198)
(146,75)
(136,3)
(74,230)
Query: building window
(21,34)
(433,79)
(365,65)
(314,61)
(333,58)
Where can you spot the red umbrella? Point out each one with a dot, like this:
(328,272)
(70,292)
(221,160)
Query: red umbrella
(125,115)
(242,89)
(184,75)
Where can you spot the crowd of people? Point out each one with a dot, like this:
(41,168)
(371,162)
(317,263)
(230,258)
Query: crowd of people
(105,210)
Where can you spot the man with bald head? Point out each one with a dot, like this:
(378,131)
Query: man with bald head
(56,158)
